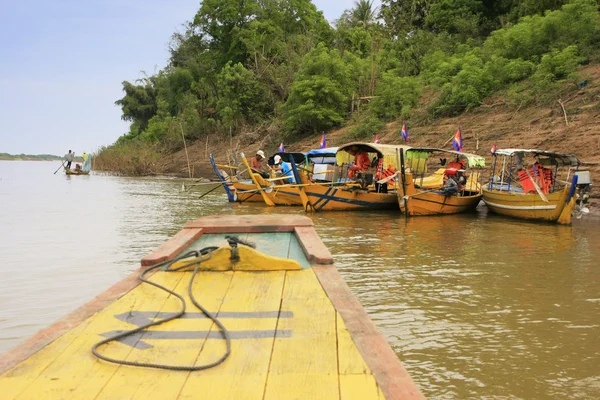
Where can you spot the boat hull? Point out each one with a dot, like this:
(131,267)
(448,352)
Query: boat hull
(418,201)
(75,172)
(530,206)
(246,192)
(433,203)
(341,198)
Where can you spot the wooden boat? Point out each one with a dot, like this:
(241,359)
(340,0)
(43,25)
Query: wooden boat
(80,170)
(534,185)
(422,194)
(75,172)
(236,190)
(294,329)
(358,194)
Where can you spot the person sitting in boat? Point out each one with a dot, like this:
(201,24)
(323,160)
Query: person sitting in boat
(256,163)
(455,183)
(77,167)
(361,161)
(283,169)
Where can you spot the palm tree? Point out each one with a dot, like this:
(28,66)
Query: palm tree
(364,13)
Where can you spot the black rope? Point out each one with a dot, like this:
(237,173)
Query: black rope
(201,256)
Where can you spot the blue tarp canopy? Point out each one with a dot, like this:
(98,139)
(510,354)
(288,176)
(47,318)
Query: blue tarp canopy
(322,156)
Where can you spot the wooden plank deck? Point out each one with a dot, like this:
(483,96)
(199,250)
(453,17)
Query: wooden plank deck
(295,334)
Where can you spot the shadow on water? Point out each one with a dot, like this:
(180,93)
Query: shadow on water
(475,305)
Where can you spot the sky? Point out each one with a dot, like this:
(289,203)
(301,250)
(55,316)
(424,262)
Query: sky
(62,63)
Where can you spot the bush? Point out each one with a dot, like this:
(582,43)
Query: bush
(365,130)
(396,96)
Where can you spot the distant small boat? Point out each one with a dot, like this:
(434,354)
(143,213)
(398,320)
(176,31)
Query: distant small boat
(83,170)
(537,185)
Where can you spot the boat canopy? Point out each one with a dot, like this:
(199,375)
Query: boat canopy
(387,151)
(299,158)
(553,157)
(322,156)
(473,160)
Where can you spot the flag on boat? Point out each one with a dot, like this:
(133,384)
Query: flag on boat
(404,132)
(323,142)
(376,141)
(281,148)
(494,149)
(457,141)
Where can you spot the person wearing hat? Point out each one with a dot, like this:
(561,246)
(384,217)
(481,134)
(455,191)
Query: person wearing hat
(257,165)
(283,168)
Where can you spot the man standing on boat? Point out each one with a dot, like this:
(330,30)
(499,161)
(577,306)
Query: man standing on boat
(69,158)
(257,165)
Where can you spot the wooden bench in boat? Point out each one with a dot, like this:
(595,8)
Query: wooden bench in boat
(296,333)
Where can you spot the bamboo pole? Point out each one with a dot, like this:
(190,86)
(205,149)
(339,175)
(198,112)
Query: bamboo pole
(186,152)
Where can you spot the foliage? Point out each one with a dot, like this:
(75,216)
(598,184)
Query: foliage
(132,158)
(365,130)
(239,63)
(319,95)
(395,96)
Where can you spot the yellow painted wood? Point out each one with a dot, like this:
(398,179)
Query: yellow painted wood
(358,387)
(305,365)
(17,379)
(313,356)
(249,260)
(254,178)
(145,383)
(243,375)
(350,360)
(76,373)
(302,385)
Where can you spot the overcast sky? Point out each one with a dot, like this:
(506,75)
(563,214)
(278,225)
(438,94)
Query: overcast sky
(63,61)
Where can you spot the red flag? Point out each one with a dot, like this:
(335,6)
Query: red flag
(376,141)
(494,149)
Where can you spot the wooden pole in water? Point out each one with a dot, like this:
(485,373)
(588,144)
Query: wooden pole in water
(186,152)
(63,163)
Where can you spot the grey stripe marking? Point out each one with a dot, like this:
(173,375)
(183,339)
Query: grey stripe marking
(135,340)
(140,318)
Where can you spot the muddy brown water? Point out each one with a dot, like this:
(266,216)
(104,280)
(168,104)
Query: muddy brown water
(476,306)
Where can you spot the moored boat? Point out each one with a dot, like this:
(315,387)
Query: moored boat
(272,322)
(236,189)
(452,189)
(536,185)
(361,191)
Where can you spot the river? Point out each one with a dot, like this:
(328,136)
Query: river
(476,306)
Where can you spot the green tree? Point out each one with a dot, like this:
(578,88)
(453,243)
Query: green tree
(319,96)
(139,103)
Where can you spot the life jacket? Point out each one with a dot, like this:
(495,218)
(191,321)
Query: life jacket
(384,173)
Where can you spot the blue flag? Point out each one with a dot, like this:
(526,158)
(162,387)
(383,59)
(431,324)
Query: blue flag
(376,141)
(323,142)
(281,148)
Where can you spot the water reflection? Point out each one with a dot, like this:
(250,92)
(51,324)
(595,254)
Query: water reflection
(476,306)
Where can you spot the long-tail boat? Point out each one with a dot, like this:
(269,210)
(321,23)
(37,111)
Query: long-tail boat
(236,189)
(360,193)
(268,317)
(536,185)
(451,189)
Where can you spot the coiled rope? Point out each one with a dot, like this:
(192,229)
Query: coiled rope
(201,256)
